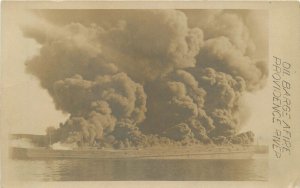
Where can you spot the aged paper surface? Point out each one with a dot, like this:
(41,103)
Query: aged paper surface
(150,94)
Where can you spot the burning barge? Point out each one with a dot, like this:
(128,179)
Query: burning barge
(225,152)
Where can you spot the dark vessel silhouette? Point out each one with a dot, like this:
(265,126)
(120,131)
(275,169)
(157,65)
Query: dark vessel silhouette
(184,152)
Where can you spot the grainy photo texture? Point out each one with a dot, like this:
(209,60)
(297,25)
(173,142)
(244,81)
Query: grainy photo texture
(142,95)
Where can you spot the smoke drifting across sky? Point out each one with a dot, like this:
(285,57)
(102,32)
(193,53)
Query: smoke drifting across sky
(128,77)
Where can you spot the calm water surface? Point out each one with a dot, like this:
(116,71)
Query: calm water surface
(96,170)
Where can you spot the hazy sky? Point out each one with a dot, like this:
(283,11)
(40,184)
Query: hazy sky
(27,108)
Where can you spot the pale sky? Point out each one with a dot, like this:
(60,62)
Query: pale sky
(27,108)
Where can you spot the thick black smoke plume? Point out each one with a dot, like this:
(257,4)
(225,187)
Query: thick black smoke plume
(140,78)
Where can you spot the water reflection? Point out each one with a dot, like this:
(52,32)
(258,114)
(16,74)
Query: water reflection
(96,170)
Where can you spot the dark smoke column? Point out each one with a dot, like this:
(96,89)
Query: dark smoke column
(147,76)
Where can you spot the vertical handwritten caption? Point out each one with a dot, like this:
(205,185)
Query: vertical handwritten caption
(281,107)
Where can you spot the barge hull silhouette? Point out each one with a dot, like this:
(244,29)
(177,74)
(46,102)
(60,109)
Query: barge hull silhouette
(45,153)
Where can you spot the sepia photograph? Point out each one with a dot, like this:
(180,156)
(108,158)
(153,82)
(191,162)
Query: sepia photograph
(143,94)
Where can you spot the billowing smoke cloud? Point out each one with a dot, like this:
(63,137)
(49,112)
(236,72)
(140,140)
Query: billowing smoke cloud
(150,54)
(220,54)
(148,77)
(176,103)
